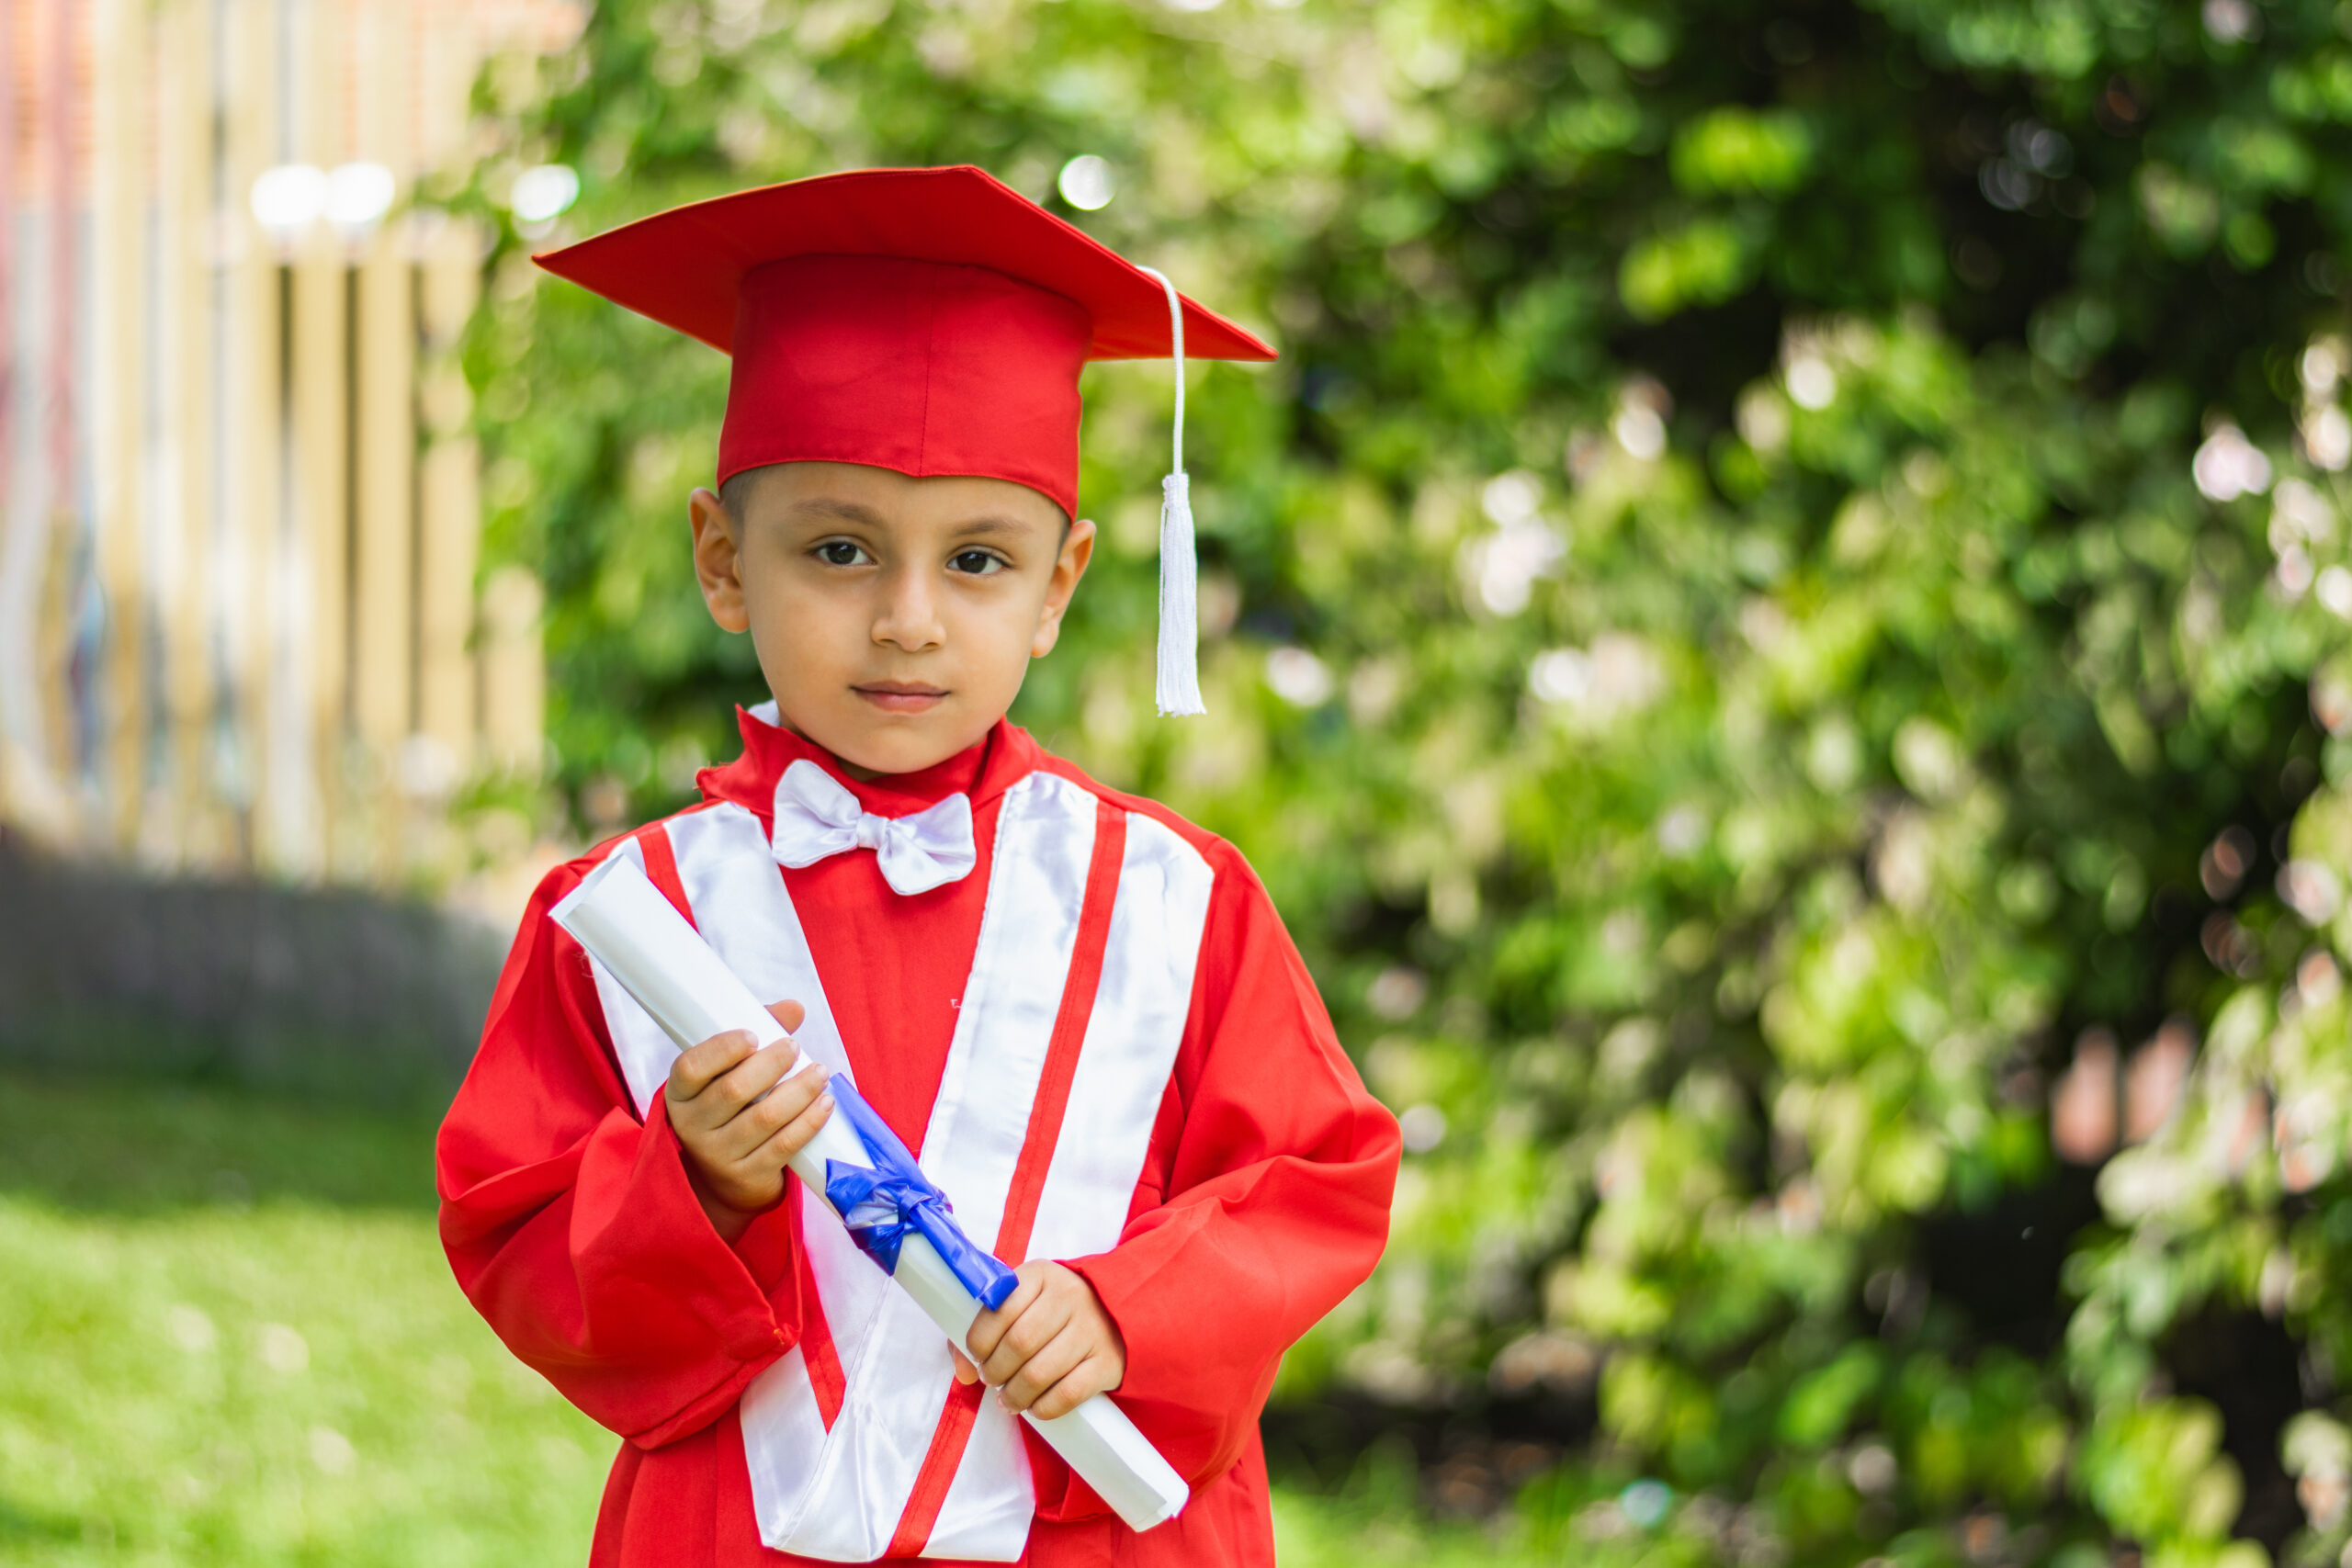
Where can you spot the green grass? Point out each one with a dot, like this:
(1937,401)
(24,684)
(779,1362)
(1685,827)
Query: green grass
(230,1338)
(228,1335)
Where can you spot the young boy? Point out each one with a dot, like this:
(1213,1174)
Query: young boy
(1080,1011)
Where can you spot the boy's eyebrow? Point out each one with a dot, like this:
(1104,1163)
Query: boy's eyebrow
(843,511)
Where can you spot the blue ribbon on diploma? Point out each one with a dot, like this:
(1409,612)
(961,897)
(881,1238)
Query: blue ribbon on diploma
(882,1206)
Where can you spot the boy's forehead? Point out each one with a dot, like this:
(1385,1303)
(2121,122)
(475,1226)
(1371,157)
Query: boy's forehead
(814,492)
(930,321)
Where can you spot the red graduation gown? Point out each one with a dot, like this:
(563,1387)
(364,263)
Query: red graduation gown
(572,1226)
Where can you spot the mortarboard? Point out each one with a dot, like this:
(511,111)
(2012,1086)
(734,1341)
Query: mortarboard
(930,321)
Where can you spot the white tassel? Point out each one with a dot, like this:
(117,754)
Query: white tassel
(1180,623)
(1180,620)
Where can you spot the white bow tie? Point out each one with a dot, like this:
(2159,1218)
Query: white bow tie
(815,817)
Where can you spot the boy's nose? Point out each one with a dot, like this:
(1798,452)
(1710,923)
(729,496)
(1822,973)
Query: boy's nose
(909,614)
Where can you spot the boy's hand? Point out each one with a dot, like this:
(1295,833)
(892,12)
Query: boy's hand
(736,1150)
(1049,1348)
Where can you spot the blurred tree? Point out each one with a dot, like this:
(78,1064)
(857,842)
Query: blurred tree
(1792,571)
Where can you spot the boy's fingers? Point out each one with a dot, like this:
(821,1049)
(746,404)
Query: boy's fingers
(794,1136)
(1054,1360)
(755,1123)
(786,1095)
(698,1065)
(788,1014)
(1034,1329)
(1089,1378)
(755,1074)
(990,1327)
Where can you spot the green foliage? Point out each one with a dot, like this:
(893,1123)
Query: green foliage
(1782,540)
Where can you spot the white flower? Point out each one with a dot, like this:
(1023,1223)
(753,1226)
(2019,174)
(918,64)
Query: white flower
(1397,992)
(1763,422)
(2310,890)
(1560,675)
(2298,512)
(2335,591)
(2229,465)
(1502,567)
(1681,831)
(1812,384)
(1298,677)
(2232,21)
(2322,368)
(1620,674)
(2294,571)
(1511,498)
(2327,436)
(1423,1126)
(1639,431)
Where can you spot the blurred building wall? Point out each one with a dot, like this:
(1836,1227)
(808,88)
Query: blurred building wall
(334,991)
(241,628)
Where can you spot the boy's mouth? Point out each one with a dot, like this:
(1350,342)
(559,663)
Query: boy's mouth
(901,696)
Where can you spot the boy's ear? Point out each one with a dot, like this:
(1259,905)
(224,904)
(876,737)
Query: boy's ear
(1070,565)
(718,560)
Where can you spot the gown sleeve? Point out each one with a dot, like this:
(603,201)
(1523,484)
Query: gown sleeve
(1264,1200)
(571,1226)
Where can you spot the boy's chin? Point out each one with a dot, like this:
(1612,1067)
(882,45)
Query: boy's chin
(890,745)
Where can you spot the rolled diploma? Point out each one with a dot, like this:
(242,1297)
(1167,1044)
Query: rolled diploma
(627,926)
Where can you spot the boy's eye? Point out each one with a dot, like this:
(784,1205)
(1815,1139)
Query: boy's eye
(840,552)
(979,563)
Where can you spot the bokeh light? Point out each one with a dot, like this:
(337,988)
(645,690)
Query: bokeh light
(543,193)
(289,198)
(358,196)
(1087,183)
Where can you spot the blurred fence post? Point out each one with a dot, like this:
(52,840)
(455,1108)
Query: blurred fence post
(317,426)
(246,481)
(449,503)
(186,819)
(120,33)
(384,340)
(514,680)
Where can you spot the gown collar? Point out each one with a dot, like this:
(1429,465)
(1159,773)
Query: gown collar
(1001,759)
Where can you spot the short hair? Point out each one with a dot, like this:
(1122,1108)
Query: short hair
(735,492)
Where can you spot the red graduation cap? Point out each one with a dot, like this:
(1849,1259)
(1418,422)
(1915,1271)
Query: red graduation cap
(930,321)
